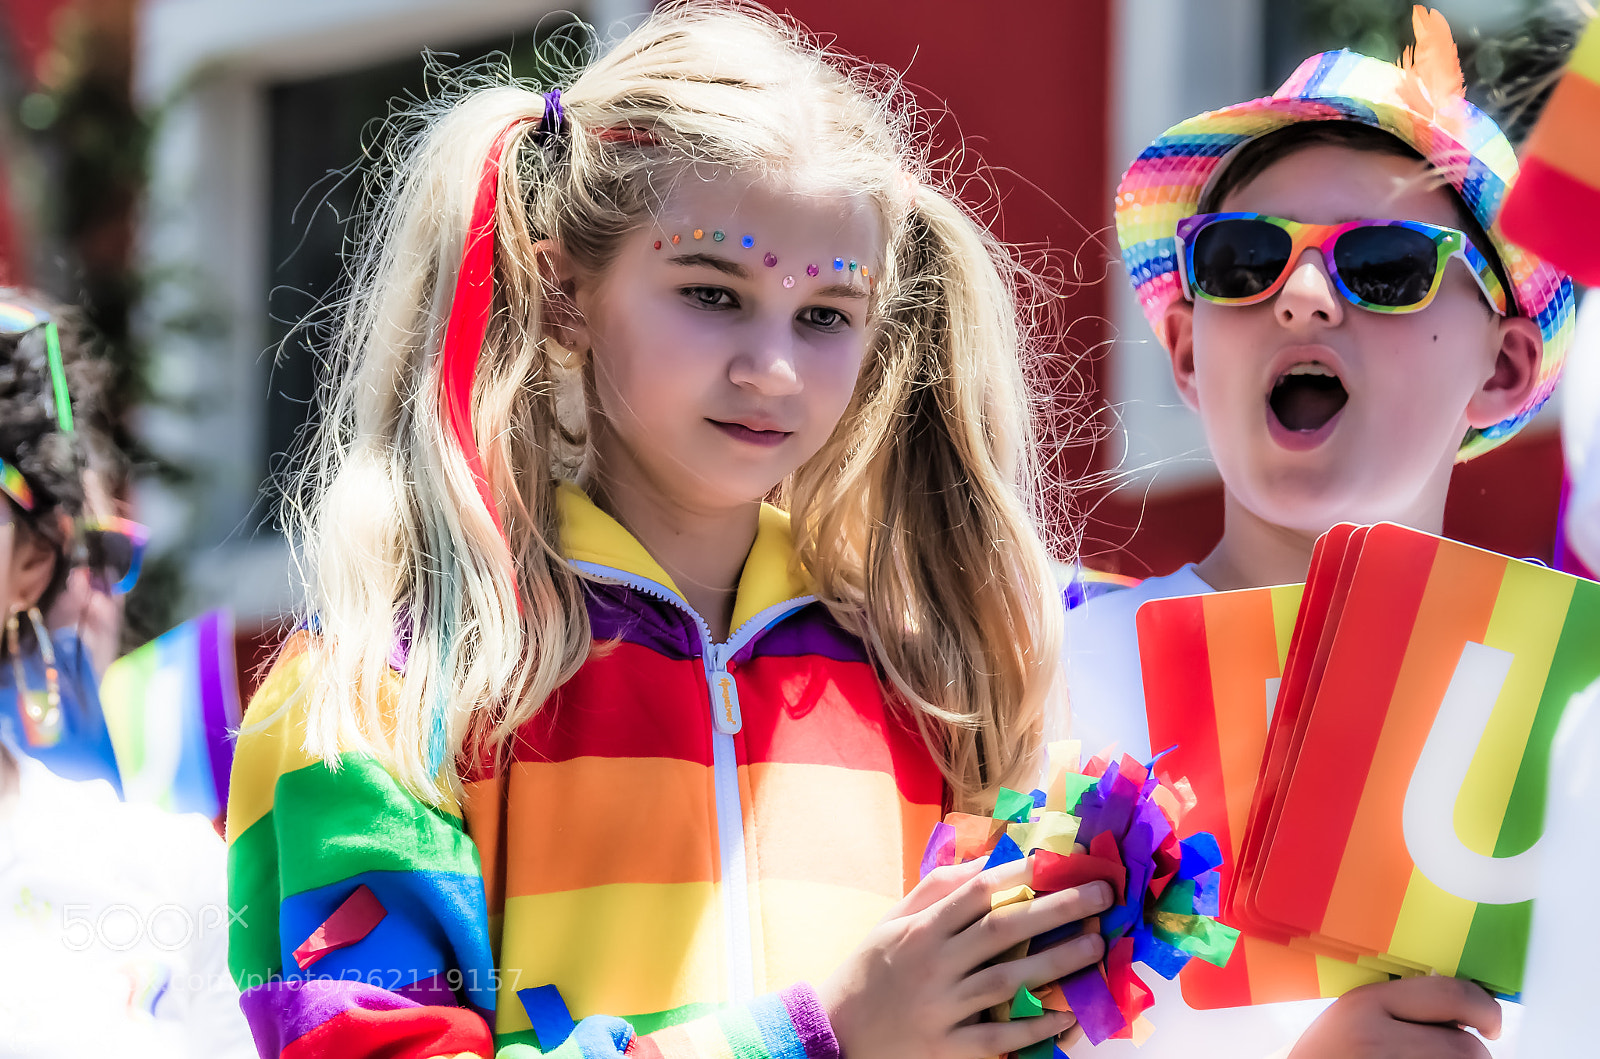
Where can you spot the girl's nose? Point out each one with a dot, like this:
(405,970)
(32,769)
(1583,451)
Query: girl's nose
(1308,297)
(767,361)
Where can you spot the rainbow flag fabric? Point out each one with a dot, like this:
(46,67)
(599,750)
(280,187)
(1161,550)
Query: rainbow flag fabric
(172,707)
(638,876)
(1553,208)
(1401,824)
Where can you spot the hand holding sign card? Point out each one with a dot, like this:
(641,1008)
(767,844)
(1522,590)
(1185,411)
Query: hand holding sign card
(1406,826)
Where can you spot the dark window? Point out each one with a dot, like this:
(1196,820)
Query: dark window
(320,131)
(1509,51)
(1298,28)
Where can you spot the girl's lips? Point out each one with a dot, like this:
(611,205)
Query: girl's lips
(1299,440)
(750,435)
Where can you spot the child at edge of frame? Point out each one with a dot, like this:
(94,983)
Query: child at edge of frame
(583,749)
(1325,271)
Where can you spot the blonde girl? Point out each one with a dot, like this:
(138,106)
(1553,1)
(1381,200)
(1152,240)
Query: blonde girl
(580,727)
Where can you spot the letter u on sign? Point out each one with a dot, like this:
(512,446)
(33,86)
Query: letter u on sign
(1428,820)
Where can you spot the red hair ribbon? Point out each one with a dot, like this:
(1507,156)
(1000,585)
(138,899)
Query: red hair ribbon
(469,320)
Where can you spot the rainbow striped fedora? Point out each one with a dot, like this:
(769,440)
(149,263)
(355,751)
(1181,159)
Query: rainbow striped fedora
(1423,106)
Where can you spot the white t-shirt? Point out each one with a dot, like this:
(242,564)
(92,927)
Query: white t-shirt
(1580,432)
(1104,689)
(113,927)
(1106,697)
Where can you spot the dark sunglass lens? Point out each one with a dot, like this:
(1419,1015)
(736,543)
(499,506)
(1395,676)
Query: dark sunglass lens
(1240,257)
(1388,265)
(110,552)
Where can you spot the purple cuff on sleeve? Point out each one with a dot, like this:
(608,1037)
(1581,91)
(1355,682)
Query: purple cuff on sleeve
(280,1012)
(810,1022)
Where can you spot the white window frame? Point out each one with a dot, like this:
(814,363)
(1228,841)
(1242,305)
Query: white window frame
(1174,59)
(206,66)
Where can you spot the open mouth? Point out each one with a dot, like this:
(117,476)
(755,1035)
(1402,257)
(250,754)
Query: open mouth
(1307,397)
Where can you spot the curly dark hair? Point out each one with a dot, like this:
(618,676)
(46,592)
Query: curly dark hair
(31,439)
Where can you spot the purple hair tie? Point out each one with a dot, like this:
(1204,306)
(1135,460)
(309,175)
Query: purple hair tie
(554,120)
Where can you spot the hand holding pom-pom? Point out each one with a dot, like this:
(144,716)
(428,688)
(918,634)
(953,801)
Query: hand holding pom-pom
(950,950)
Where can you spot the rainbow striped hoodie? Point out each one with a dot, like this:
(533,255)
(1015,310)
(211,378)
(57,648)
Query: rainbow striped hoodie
(685,827)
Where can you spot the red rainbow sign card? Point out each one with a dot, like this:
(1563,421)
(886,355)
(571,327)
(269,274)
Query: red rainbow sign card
(1211,666)
(1330,588)
(1304,654)
(1407,823)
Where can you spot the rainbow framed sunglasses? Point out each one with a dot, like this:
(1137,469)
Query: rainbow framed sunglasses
(19,318)
(112,549)
(1380,266)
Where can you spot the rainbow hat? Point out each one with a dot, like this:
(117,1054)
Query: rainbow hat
(1422,105)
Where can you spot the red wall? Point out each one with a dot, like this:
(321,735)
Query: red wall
(1025,86)
(28,28)
(30,31)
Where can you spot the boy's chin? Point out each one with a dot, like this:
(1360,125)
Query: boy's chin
(1310,500)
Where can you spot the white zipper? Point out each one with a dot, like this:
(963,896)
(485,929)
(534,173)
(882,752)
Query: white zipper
(727,720)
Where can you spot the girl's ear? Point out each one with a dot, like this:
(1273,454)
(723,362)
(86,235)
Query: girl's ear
(33,564)
(1177,334)
(1516,372)
(561,321)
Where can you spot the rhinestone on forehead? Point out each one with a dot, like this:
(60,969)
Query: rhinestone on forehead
(769,258)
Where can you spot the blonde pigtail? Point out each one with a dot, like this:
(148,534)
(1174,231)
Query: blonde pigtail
(412,572)
(934,475)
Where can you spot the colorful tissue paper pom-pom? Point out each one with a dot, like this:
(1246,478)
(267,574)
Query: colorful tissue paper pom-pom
(1114,820)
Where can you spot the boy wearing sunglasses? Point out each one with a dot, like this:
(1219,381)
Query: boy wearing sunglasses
(1324,270)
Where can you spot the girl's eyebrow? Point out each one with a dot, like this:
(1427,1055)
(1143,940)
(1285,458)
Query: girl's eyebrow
(733,268)
(721,264)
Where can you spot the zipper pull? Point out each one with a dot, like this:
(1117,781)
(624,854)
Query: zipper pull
(725,701)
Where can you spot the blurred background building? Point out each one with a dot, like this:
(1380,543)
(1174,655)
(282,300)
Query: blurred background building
(186,169)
